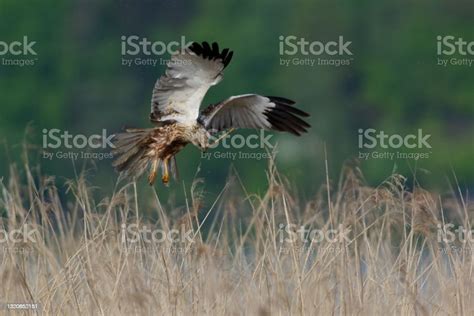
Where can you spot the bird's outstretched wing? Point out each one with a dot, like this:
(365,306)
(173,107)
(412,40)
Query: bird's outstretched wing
(178,94)
(255,111)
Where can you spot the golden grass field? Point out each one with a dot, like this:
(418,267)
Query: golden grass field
(234,261)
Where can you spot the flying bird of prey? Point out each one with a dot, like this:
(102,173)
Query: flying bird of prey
(175,104)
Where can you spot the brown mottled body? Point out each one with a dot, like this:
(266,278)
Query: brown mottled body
(167,142)
(139,148)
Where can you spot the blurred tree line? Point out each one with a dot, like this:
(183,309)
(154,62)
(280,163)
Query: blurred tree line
(393,83)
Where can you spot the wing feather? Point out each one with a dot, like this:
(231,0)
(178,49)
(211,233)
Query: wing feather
(178,94)
(255,111)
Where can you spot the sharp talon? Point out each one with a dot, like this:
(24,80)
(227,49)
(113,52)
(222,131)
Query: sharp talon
(165,179)
(152,176)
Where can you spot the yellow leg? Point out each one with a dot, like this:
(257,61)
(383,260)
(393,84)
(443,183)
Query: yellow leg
(152,176)
(165,178)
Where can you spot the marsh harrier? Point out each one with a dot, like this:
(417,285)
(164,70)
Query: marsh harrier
(175,104)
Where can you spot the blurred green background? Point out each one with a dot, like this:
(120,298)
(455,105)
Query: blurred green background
(393,83)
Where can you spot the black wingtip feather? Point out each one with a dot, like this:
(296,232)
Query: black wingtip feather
(290,116)
(228,58)
(224,53)
(281,100)
(196,48)
(287,104)
(206,50)
(215,49)
(211,52)
(285,117)
(284,125)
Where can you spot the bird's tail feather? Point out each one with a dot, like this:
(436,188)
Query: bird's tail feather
(132,151)
(131,148)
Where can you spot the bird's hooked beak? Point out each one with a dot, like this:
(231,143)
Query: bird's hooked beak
(203,146)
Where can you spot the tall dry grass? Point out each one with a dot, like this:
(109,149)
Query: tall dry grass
(237,262)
